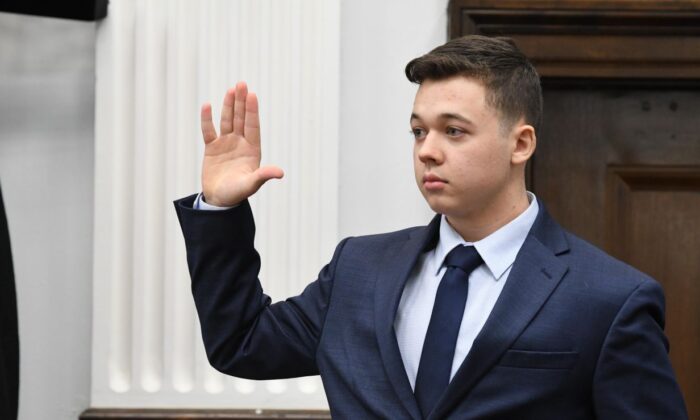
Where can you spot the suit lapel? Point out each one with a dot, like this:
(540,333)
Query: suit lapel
(396,265)
(534,276)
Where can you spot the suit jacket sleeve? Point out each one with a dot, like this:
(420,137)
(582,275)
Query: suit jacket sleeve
(634,377)
(244,335)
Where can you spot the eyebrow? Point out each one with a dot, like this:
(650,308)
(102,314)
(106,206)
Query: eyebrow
(446,116)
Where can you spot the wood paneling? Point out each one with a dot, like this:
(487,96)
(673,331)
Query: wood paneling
(624,39)
(653,224)
(619,165)
(587,129)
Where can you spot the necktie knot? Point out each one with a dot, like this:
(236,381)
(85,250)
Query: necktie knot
(463,257)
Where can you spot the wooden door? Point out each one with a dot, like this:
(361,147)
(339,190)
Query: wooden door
(621,168)
(618,156)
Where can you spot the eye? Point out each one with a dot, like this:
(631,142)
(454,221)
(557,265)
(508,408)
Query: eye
(418,133)
(454,131)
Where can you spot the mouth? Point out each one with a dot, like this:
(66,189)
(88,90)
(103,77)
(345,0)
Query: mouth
(432,182)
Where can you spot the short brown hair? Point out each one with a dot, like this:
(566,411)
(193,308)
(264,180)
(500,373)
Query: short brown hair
(511,81)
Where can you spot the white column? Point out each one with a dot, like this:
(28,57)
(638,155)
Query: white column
(157,61)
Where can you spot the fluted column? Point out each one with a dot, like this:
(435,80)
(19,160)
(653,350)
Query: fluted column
(157,61)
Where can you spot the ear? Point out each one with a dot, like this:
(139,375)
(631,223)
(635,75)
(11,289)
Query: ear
(525,142)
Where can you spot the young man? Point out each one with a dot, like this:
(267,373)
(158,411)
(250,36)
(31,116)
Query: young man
(491,311)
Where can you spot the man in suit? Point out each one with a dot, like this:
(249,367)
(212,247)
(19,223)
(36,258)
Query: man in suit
(491,311)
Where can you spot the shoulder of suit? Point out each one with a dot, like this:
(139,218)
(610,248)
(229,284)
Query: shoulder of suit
(386,237)
(596,267)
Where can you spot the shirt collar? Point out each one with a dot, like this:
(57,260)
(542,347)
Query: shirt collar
(499,249)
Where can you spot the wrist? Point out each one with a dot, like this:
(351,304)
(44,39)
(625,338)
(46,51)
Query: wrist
(203,204)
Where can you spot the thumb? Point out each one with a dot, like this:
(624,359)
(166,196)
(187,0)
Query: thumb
(266,173)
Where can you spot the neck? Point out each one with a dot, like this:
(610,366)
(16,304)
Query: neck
(482,222)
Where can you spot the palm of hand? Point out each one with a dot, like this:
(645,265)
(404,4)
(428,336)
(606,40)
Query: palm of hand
(231,169)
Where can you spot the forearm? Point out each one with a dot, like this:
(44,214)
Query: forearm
(243,334)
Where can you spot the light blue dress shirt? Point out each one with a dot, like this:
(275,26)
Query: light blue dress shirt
(498,250)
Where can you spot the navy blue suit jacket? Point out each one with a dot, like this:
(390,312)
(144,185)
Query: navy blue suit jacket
(575,333)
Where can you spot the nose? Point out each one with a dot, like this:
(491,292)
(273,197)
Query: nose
(428,149)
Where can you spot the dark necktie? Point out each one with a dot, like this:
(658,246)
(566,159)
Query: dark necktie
(440,340)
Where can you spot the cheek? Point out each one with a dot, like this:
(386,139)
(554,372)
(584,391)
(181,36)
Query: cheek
(417,164)
(495,155)
(483,165)
(418,169)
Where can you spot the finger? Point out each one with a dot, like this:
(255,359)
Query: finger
(226,125)
(208,130)
(239,108)
(251,128)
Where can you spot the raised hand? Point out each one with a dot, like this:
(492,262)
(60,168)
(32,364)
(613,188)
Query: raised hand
(231,169)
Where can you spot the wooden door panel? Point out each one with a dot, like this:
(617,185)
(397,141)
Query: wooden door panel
(654,224)
(587,130)
(621,168)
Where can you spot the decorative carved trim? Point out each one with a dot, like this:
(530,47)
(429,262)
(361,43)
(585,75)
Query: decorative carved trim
(550,83)
(180,414)
(658,178)
(650,5)
(579,22)
(594,39)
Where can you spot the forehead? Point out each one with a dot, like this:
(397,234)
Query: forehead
(455,94)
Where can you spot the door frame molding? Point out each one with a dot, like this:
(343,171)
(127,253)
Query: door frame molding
(592,39)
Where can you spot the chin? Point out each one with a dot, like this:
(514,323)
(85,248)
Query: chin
(439,206)
(449,208)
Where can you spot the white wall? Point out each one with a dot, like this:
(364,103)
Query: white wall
(46,170)
(146,347)
(377,189)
